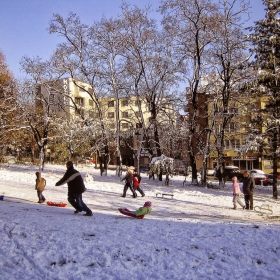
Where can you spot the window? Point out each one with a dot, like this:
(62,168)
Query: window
(125,114)
(231,127)
(227,144)
(111,103)
(90,102)
(51,99)
(79,101)
(232,144)
(235,143)
(80,112)
(233,110)
(111,115)
(91,114)
(124,125)
(124,103)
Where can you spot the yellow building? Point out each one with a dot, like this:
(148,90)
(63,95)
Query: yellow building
(70,97)
(240,113)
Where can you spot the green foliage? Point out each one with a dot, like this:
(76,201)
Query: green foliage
(265,38)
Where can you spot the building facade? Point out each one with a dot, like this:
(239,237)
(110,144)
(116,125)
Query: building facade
(236,151)
(125,117)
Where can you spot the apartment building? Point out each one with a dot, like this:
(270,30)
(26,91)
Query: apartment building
(70,97)
(240,112)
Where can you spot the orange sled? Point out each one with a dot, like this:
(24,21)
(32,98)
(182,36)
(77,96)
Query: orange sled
(50,203)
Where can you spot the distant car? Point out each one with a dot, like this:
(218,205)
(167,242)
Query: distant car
(270,177)
(254,172)
(260,177)
(231,171)
(144,168)
(210,172)
(181,170)
(278,174)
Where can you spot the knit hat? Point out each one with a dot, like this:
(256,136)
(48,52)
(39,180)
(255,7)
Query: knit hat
(148,204)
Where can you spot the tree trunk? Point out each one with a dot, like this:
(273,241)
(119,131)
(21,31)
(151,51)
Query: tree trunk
(275,191)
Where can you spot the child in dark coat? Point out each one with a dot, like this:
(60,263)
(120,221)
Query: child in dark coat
(128,183)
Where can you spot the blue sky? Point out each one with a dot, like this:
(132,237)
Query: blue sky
(24,23)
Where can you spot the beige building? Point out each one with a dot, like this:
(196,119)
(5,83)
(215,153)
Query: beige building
(236,153)
(70,97)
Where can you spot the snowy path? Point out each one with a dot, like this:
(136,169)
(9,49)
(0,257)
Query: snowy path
(196,235)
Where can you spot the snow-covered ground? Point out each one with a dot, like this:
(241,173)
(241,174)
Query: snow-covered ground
(196,235)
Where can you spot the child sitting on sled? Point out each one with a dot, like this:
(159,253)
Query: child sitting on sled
(140,213)
(146,209)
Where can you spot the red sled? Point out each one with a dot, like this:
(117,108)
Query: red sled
(50,203)
(129,213)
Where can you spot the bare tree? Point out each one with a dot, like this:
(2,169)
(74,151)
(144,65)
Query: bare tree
(8,98)
(229,56)
(193,25)
(265,37)
(150,72)
(82,57)
(34,107)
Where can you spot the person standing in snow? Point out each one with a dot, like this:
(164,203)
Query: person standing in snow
(248,190)
(40,187)
(136,183)
(76,187)
(236,194)
(128,183)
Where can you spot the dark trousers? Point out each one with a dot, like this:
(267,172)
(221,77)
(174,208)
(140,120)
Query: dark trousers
(41,196)
(76,200)
(139,190)
(125,188)
(249,201)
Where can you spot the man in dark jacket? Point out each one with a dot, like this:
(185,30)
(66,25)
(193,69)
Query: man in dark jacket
(76,187)
(128,183)
(248,190)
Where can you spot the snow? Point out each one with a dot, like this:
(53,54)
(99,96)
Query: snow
(196,235)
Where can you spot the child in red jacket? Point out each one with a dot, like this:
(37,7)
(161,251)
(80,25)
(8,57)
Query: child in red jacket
(136,183)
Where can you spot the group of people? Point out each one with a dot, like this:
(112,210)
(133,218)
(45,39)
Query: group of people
(132,182)
(76,187)
(248,191)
